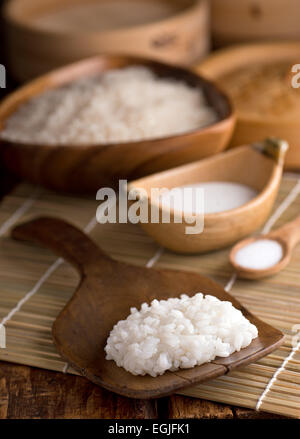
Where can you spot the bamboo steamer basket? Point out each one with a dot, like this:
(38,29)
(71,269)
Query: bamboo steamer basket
(248,130)
(247,20)
(174,31)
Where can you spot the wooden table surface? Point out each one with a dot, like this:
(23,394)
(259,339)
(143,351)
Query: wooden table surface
(30,393)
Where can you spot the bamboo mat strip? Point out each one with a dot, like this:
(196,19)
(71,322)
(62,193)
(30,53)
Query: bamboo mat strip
(275,300)
(267,228)
(282,208)
(21,210)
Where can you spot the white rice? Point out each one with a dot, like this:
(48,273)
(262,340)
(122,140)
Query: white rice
(178,333)
(129,104)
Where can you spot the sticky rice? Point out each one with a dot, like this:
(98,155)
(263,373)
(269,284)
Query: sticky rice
(178,333)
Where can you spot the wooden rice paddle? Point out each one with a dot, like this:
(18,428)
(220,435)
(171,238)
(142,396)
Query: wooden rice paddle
(104,296)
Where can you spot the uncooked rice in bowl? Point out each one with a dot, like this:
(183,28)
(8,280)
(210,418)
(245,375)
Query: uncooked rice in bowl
(117,106)
(178,333)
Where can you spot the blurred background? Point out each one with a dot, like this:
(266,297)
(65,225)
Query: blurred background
(41,35)
(173,30)
(38,36)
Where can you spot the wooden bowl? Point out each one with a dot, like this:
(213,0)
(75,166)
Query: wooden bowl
(248,129)
(259,167)
(247,20)
(174,31)
(85,168)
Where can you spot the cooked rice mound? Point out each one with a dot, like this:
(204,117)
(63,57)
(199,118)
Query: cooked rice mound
(178,333)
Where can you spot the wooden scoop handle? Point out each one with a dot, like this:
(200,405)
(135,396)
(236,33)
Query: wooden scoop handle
(290,232)
(274,148)
(65,240)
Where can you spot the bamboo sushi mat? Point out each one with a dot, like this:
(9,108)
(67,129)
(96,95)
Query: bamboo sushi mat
(35,285)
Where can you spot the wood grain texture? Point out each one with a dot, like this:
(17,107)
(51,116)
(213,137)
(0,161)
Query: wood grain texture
(30,393)
(243,413)
(179,407)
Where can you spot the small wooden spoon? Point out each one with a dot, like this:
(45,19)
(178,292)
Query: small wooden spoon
(288,237)
(104,296)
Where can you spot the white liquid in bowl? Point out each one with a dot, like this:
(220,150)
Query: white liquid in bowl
(218,197)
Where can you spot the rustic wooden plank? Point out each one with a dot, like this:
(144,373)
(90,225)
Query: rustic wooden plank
(179,407)
(29,393)
(243,413)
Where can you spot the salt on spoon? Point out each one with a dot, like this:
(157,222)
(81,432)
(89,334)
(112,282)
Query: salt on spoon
(260,254)
(265,255)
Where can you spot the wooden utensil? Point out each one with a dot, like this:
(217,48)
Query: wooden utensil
(288,237)
(105,294)
(258,166)
(86,168)
(39,39)
(250,128)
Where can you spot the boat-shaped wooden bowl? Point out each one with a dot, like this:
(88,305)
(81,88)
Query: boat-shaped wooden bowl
(248,129)
(85,168)
(107,291)
(258,166)
(48,34)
